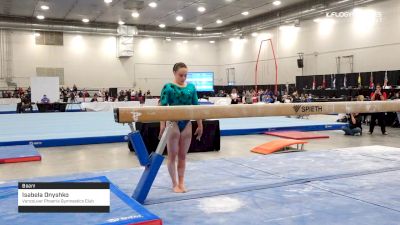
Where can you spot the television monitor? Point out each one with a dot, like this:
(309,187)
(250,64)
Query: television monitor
(203,81)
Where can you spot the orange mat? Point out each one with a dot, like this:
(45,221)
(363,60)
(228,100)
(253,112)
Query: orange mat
(298,135)
(276,145)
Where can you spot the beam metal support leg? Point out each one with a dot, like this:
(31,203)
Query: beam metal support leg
(151,170)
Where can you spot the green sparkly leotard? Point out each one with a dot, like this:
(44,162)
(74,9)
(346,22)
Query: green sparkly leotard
(173,95)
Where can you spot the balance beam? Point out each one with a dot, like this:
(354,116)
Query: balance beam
(197,112)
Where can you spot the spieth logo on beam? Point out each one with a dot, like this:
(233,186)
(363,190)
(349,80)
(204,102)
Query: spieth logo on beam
(307,109)
(296,108)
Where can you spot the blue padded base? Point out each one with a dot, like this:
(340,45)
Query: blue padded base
(123,210)
(345,186)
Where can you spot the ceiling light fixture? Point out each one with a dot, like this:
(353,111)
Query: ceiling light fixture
(199,28)
(212,42)
(45,7)
(40,17)
(121,22)
(219,21)
(179,18)
(276,3)
(135,14)
(108,1)
(162,25)
(201,9)
(254,34)
(245,13)
(153,4)
(85,20)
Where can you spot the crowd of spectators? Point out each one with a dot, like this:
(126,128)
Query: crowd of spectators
(265,96)
(252,96)
(68,94)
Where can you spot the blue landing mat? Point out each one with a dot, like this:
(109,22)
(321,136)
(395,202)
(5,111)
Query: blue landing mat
(352,188)
(296,204)
(381,189)
(60,129)
(319,165)
(63,129)
(204,178)
(123,210)
(376,151)
(224,176)
(8,109)
(18,152)
(314,187)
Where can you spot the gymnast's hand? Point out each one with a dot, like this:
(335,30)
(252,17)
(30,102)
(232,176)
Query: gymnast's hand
(199,132)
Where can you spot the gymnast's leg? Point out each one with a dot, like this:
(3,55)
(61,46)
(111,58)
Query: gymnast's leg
(173,149)
(184,144)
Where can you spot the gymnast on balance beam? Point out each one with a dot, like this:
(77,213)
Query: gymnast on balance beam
(179,92)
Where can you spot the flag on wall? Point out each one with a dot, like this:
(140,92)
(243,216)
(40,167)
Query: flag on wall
(385,82)
(313,83)
(371,82)
(323,82)
(334,82)
(345,81)
(359,79)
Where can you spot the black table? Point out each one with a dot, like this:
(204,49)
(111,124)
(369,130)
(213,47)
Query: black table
(52,107)
(210,141)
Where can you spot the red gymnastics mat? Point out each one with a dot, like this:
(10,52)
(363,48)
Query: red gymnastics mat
(18,153)
(297,135)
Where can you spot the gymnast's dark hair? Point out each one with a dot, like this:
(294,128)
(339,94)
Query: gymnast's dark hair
(178,65)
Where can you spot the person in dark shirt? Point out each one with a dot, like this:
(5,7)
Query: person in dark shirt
(129,95)
(64,96)
(377,95)
(26,104)
(94,99)
(45,99)
(121,97)
(354,125)
(106,96)
(86,94)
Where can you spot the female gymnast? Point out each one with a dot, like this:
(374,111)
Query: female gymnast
(179,92)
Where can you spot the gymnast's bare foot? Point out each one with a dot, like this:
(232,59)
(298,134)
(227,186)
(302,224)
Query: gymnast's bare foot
(177,189)
(182,187)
